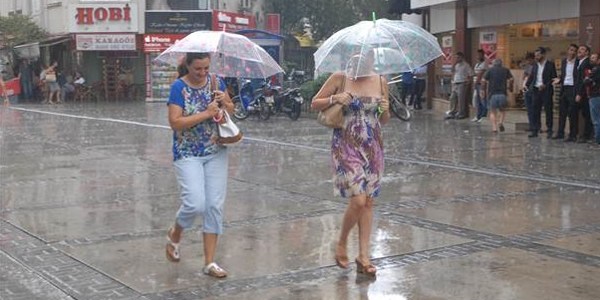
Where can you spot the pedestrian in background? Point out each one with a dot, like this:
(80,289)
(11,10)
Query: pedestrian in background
(4,91)
(461,78)
(357,152)
(50,78)
(479,99)
(568,73)
(494,85)
(527,93)
(420,83)
(408,85)
(592,83)
(582,107)
(200,163)
(26,78)
(540,80)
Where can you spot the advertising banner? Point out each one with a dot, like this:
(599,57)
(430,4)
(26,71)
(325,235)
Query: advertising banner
(177,22)
(447,42)
(488,43)
(105,42)
(159,42)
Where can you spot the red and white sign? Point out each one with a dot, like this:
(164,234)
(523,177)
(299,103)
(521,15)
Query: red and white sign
(107,17)
(105,42)
(447,43)
(488,42)
(13,87)
(232,21)
(160,42)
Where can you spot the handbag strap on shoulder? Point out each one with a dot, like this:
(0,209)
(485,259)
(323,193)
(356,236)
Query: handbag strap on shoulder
(343,83)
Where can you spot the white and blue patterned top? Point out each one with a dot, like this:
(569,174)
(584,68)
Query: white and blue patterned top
(200,139)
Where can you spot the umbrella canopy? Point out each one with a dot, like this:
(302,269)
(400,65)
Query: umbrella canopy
(232,55)
(382,47)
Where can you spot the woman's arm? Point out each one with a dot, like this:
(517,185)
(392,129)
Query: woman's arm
(178,121)
(385,103)
(223,98)
(326,97)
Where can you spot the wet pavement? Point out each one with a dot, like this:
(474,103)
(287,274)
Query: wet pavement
(87,192)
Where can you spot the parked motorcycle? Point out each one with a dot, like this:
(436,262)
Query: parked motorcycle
(250,100)
(289,102)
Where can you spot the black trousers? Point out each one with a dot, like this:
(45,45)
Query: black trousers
(566,100)
(583,107)
(541,99)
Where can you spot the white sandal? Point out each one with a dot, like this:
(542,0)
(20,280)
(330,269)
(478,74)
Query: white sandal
(214,270)
(173,255)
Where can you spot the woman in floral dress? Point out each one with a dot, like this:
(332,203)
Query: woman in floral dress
(357,155)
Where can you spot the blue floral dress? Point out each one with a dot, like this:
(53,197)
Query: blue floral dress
(357,150)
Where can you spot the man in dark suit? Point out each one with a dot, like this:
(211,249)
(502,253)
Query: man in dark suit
(582,104)
(542,75)
(568,75)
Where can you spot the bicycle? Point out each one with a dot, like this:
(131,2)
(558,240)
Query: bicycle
(397,106)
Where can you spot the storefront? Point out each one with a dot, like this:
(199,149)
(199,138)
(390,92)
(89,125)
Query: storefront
(106,36)
(164,28)
(507,30)
(159,76)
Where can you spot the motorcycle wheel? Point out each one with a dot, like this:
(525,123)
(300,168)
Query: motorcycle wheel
(239,112)
(295,113)
(264,112)
(399,109)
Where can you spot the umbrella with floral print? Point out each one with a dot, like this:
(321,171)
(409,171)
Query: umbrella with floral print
(232,55)
(382,46)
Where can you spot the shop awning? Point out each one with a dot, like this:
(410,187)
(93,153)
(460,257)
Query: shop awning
(29,51)
(55,40)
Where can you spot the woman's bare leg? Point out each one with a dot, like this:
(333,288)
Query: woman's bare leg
(365,224)
(351,217)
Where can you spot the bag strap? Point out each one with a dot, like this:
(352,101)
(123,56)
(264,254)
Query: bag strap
(343,84)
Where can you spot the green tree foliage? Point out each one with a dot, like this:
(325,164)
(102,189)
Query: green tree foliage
(325,16)
(19,29)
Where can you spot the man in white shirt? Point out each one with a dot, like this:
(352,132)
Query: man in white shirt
(462,76)
(540,80)
(479,99)
(568,73)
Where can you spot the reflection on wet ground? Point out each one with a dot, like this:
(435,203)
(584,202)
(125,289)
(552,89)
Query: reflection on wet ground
(88,190)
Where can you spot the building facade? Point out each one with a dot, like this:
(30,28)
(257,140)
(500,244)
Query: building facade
(114,42)
(506,29)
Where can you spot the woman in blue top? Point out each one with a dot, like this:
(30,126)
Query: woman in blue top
(200,163)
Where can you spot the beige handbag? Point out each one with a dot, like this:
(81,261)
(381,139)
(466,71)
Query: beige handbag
(229,133)
(333,116)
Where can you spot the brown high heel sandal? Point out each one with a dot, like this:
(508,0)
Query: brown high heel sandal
(342,261)
(362,269)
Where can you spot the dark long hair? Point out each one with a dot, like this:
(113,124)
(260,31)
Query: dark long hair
(182,69)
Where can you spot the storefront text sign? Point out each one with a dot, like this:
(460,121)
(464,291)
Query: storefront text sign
(117,17)
(177,21)
(232,21)
(160,42)
(105,42)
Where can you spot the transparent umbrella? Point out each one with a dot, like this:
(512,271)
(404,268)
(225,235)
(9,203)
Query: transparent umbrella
(232,55)
(382,46)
